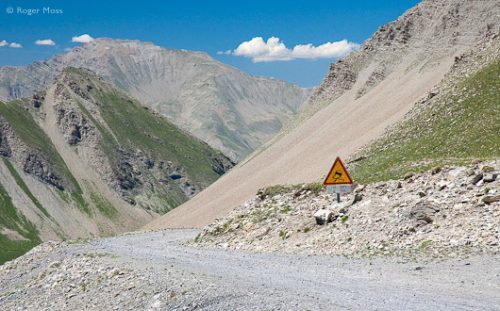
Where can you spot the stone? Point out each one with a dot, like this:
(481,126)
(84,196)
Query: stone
(359,188)
(323,216)
(421,194)
(489,177)
(54,265)
(355,199)
(441,185)
(408,175)
(488,199)
(436,170)
(476,178)
(423,212)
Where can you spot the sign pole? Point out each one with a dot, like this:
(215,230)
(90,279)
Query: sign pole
(338,197)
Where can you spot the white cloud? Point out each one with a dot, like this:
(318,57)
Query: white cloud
(85,38)
(228,52)
(275,50)
(4,43)
(15,45)
(45,42)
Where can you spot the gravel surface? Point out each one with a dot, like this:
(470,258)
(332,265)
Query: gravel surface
(155,271)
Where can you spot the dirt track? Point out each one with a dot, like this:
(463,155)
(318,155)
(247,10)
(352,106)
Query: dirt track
(214,279)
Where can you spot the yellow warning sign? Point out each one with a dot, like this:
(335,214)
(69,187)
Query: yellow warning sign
(338,175)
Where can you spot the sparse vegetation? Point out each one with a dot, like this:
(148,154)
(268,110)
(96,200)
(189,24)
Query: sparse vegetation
(103,205)
(20,182)
(299,189)
(463,127)
(14,220)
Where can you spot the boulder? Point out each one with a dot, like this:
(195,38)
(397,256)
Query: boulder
(324,216)
(423,212)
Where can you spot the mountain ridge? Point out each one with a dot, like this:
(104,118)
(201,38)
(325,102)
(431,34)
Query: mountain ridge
(231,110)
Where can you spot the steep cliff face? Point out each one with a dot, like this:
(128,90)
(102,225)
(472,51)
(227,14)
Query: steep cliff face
(83,159)
(230,110)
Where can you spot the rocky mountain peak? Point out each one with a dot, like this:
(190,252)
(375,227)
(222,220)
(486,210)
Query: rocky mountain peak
(431,30)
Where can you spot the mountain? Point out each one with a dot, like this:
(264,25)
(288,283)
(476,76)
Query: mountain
(84,159)
(361,97)
(230,110)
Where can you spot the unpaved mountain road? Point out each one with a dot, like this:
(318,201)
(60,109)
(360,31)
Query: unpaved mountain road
(274,281)
(171,276)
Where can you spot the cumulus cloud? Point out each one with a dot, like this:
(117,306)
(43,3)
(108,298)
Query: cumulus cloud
(85,38)
(15,45)
(275,50)
(45,42)
(12,44)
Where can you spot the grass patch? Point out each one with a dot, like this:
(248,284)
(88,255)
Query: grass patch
(463,127)
(103,205)
(12,219)
(275,190)
(20,182)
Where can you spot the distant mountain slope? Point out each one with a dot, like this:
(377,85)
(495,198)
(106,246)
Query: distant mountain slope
(361,96)
(82,159)
(230,110)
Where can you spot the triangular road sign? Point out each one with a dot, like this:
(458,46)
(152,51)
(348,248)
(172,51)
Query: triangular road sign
(338,175)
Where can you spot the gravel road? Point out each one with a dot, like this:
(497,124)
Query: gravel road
(217,279)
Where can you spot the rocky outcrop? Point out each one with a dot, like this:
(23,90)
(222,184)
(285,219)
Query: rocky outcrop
(432,29)
(32,160)
(36,164)
(439,214)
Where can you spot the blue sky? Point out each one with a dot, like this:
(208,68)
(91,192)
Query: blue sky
(210,26)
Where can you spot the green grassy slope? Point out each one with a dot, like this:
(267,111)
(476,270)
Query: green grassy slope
(12,219)
(462,127)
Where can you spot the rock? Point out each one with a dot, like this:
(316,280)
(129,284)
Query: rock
(323,216)
(488,199)
(489,177)
(359,188)
(476,178)
(423,212)
(470,172)
(436,170)
(355,199)
(441,185)
(408,175)
(54,265)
